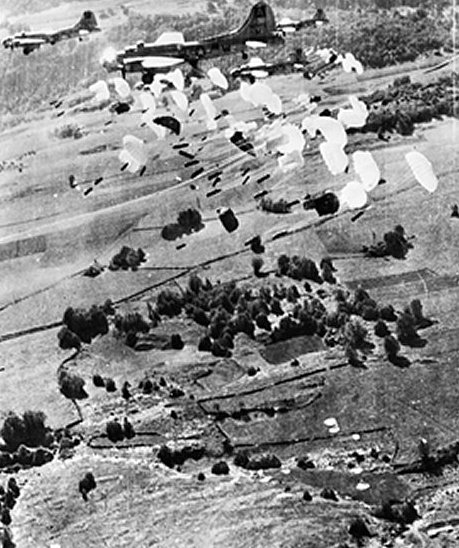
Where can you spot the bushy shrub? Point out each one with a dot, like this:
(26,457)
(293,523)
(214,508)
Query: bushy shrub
(257,265)
(271,206)
(68,339)
(169,303)
(30,430)
(127,258)
(131,323)
(68,131)
(391,347)
(85,324)
(71,385)
(355,334)
(176,342)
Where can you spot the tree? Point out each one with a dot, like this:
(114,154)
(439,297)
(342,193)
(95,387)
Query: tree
(29,430)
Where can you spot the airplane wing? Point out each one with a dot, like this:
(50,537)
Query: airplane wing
(160,62)
(170,38)
(29,42)
(253,44)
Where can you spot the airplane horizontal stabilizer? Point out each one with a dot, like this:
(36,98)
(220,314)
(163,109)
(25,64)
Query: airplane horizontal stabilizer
(160,62)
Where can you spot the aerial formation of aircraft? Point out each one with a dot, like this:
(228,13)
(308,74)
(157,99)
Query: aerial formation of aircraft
(171,50)
(30,41)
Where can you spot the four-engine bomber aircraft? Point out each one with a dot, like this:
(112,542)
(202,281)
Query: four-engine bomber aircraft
(30,41)
(171,50)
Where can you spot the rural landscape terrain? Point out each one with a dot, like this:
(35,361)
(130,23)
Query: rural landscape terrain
(175,374)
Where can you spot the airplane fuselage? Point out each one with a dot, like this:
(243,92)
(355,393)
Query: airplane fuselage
(131,59)
(30,41)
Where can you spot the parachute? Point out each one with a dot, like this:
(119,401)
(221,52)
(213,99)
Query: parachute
(147,101)
(290,161)
(122,88)
(331,129)
(242,143)
(217,78)
(353,195)
(334,157)
(292,139)
(274,104)
(422,170)
(350,64)
(169,122)
(134,153)
(180,99)
(304,99)
(101,91)
(208,105)
(210,110)
(160,131)
(367,169)
(176,78)
(260,94)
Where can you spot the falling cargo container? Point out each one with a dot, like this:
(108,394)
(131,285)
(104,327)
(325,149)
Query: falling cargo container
(228,219)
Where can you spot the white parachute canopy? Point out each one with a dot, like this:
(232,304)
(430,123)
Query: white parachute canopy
(260,94)
(331,129)
(304,99)
(269,137)
(159,131)
(208,105)
(357,104)
(292,140)
(367,169)
(122,88)
(334,157)
(101,91)
(176,78)
(422,169)
(211,111)
(353,196)
(350,64)
(180,99)
(108,56)
(217,78)
(147,101)
(325,54)
(291,161)
(355,116)
(134,153)
(274,104)
(246,128)
(157,86)
(351,118)
(244,91)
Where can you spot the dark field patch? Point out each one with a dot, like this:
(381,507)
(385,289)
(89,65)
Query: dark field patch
(285,351)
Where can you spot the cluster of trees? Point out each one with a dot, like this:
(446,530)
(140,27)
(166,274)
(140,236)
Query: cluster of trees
(81,326)
(188,221)
(27,441)
(127,258)
(298,268)
(30,430)
(404,104)
(275,206)
(395,244)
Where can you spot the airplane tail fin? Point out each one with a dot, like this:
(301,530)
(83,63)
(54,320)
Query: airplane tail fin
(88,22)
(260,23)
(320,16)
